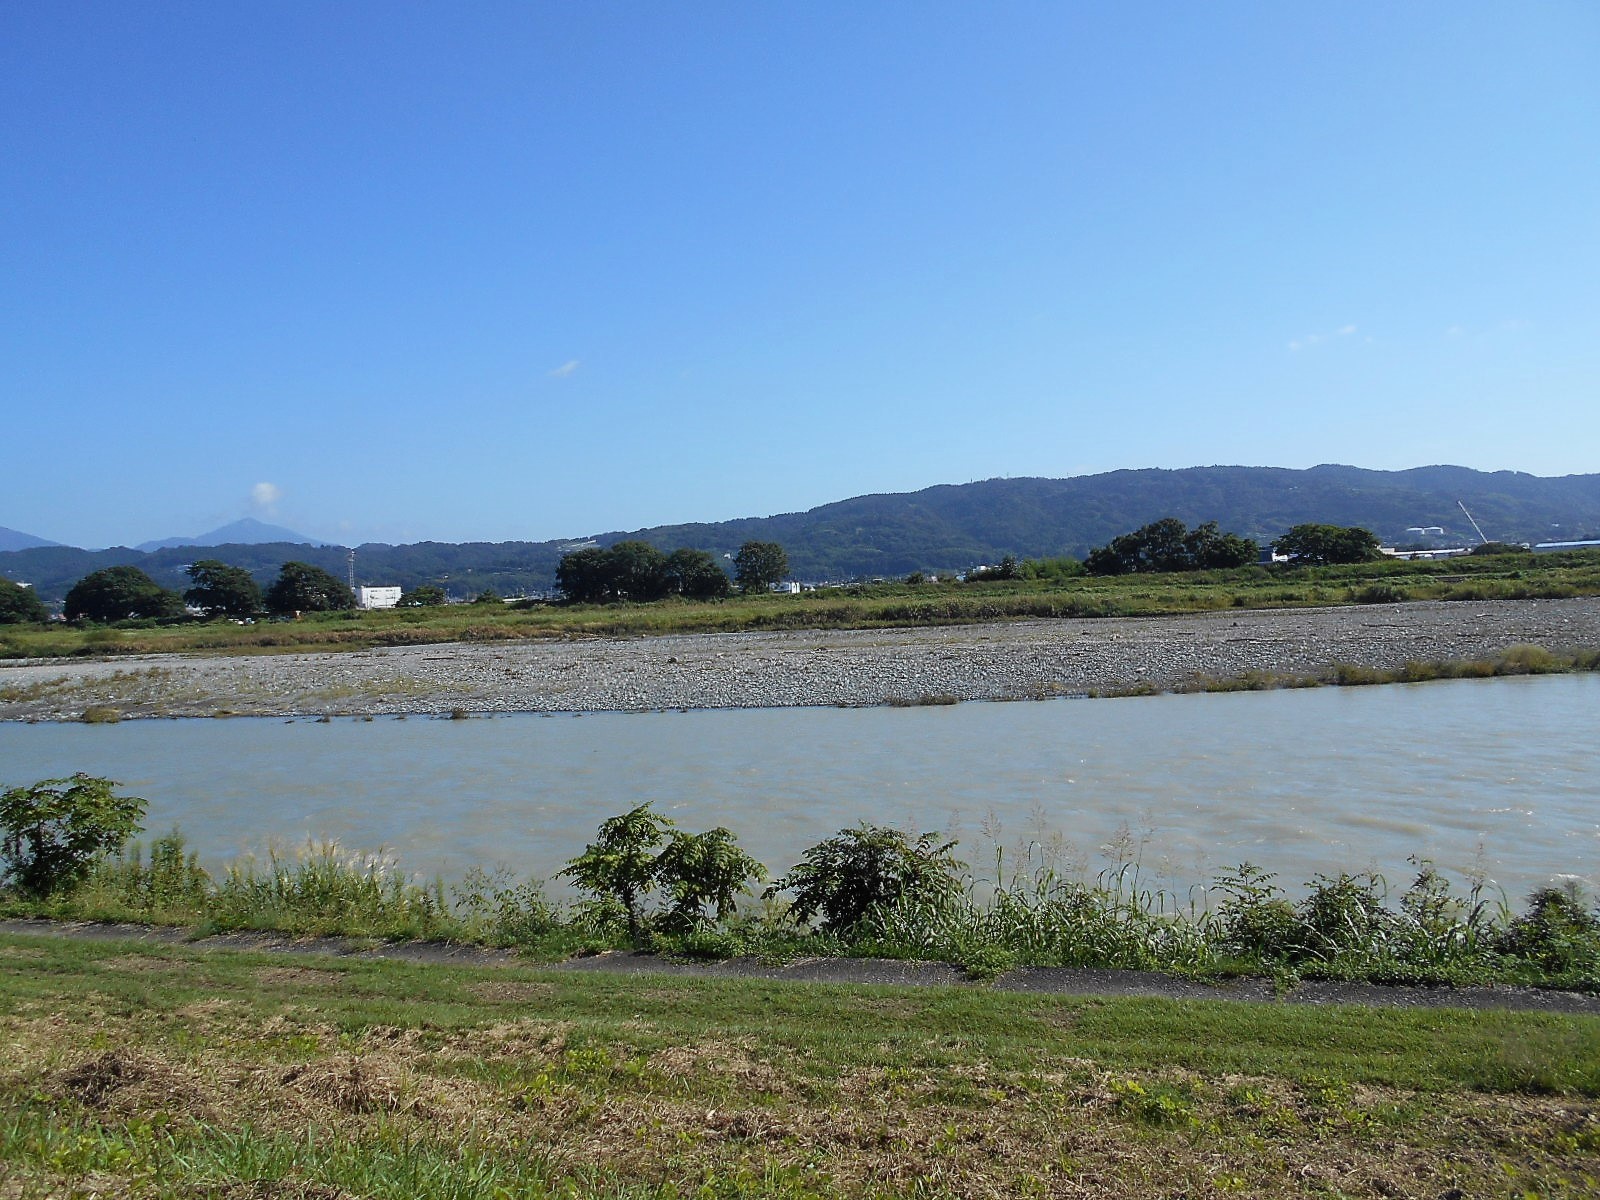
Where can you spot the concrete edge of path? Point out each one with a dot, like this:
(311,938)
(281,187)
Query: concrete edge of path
(1055,981)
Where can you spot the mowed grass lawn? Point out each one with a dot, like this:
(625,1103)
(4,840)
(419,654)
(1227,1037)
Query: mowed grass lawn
(131,1070)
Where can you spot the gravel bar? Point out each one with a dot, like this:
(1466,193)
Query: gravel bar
(1010,661)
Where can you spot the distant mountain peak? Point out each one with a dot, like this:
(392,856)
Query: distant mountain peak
(247,531)
(15,539)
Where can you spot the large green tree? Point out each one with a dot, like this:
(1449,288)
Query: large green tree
(695,575)
(1166,545)
(637,571)
(759,565)
(584,576)
(118,593)
(427,595)
(1320,545)
(18,604)
(304,588)
(223,590)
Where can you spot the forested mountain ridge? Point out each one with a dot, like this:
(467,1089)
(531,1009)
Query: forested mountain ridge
(946,528)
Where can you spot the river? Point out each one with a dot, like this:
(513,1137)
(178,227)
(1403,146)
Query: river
(1499,777)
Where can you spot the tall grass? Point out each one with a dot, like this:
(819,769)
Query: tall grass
(1342,926)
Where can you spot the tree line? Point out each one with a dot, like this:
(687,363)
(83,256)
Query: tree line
(1166,545)
(124,593)
(627,571)
(636,571)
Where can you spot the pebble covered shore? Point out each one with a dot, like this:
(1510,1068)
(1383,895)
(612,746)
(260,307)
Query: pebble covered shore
(1016,661)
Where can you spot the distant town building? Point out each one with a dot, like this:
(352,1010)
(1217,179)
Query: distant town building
(1550,547)
(377,597)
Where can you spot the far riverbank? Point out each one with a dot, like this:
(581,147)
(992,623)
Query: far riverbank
(1010,661)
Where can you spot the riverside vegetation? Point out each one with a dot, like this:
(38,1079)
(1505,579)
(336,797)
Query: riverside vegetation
(866,892)
(170,1071)
(1041,589)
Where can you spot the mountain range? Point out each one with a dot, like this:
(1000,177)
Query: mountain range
(15,539)
(245,532)
(938,529)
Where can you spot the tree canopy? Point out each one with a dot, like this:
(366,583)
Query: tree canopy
(18,604)
(427,595)
(221,589)
(637,571)
(759,565)
(304,588)
(1166,545)
(1321,545)
(120,593)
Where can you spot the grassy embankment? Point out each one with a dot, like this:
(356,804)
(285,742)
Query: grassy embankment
(1507,577)
(1045,911)
(174,1072)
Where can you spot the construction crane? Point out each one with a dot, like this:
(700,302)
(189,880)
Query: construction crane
(1459,504)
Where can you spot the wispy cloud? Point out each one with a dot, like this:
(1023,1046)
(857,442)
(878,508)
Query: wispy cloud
(1316,339)
(565,369)
(265,496)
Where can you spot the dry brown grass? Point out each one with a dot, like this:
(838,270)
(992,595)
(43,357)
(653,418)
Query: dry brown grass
(718,1107)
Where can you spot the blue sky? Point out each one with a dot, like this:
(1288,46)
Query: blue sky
(394,271)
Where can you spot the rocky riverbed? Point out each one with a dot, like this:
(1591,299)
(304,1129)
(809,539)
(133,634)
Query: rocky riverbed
(1016,661)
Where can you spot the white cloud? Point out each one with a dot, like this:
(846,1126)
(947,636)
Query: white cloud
(565,369)
(265,495)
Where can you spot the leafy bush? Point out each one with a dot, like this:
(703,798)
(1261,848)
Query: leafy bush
(1559,932)
(623,867)
(52,832)
(1253,920)
(845,877)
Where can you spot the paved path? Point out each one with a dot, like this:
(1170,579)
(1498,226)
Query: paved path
(1057,981)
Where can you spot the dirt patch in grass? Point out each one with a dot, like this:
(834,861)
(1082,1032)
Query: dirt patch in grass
(732,1065)
(511,991)
(132,1084)
(298,977)
(282,1189)
(351,1084)
(144,964)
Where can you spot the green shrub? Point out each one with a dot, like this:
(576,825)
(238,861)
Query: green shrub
(1253,920)
(623,867)
(1559,933)
(52,832)
(844,877)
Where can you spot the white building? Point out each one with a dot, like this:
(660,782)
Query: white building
(377,597)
